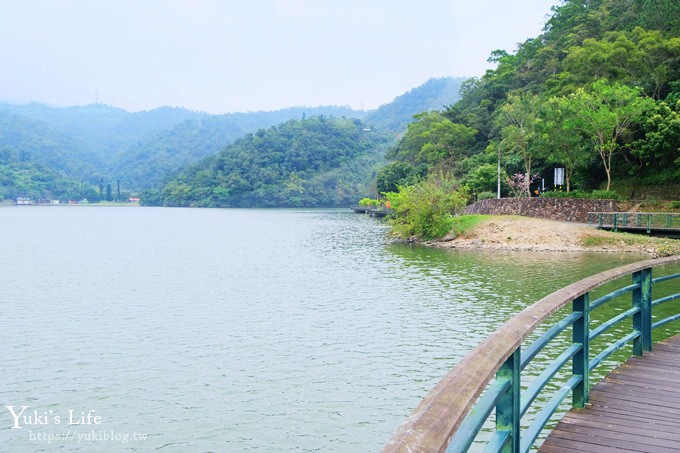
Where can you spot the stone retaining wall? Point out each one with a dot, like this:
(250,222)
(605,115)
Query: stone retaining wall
(563,209)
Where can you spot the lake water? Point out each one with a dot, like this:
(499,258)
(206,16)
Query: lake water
(238,330)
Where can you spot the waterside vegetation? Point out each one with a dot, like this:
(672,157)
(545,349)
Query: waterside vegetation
(597,94)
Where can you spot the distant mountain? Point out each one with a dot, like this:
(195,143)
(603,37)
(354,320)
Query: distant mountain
(435,94)
(97,145)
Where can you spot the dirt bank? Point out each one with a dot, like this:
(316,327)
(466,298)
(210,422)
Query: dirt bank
(524,233)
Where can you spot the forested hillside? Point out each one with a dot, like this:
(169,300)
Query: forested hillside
(596,94)
(318,161)
(74,153)
(435,94)
(49,151)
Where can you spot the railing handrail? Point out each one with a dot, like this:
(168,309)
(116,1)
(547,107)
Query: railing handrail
(433,423)
(634,212)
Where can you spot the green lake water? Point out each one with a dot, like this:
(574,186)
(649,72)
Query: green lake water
(239,330)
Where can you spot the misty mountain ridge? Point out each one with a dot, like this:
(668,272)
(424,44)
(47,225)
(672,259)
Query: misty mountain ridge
(99,144)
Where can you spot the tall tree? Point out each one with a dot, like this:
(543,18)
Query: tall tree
(564,144)
(605,113)
(519,122)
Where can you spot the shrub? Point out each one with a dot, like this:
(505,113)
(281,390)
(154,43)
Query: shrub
(555,194)
(485,196)
(605,195)
(675,204)
(426,209)
(369,202)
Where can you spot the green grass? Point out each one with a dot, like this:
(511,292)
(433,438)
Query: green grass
(662,246)
(463,224)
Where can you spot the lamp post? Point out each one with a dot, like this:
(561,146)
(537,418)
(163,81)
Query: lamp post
(499,172)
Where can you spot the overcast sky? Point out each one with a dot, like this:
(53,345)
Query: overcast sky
(224,56)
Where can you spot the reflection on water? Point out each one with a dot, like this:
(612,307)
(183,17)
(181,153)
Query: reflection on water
(235,330)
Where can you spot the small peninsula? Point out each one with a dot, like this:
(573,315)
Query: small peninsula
(519,233)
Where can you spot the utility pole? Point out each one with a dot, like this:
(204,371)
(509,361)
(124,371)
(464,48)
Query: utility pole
(499,171)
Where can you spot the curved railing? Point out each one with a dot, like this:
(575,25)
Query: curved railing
(450,417)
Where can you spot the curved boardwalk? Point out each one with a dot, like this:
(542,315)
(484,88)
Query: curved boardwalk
(635,408)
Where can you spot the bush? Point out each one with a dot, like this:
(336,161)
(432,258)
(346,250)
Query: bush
(605,195)
(426,209)
(675,204)
(369,202)
(555,194)
(485,195)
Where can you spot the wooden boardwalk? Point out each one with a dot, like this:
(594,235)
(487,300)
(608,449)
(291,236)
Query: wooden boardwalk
(636,408)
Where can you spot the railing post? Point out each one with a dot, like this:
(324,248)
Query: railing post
(507,409)
(580,362)
(649,223)
(642,321)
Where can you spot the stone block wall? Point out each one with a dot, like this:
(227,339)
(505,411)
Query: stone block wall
(563,209)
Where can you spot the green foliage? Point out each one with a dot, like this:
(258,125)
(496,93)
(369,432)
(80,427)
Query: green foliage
(563,194)
(319,161)
(369,202)
(484,179)
(605,115)
(399,173)
(426,209)
(486,196)
(520,126)
(675,204)
(644,58)
(605,195)
(463,224)
(596,194)
(432,139)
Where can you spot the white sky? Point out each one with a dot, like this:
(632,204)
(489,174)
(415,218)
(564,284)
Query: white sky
(229,56)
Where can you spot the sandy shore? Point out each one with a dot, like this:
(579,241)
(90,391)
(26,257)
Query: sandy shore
(529,234)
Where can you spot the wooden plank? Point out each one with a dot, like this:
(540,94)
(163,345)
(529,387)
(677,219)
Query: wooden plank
(605,431)
(632,422)
(635,417)
(634,408)
(557,445)
(593,439)
(630,430)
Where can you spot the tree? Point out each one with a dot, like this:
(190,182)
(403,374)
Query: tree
(398,173)
(639,57)
(433,139)
(563,143)
(605,114)
(519,121)
(485,178)
(659,146)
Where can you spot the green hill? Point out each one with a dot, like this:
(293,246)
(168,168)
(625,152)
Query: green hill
(435,94)
(98,145)
(318,161)
(596,94)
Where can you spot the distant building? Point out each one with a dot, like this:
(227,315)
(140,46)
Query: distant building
(24,201)
(134,200)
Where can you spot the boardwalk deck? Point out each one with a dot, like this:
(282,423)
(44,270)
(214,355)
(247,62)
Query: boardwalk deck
(635,408)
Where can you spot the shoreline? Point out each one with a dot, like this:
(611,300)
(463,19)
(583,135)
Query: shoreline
(515,233)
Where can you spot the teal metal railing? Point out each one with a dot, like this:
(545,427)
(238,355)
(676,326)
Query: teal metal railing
(643,221)
(489,379)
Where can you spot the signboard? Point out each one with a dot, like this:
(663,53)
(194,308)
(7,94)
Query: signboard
(559,177)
